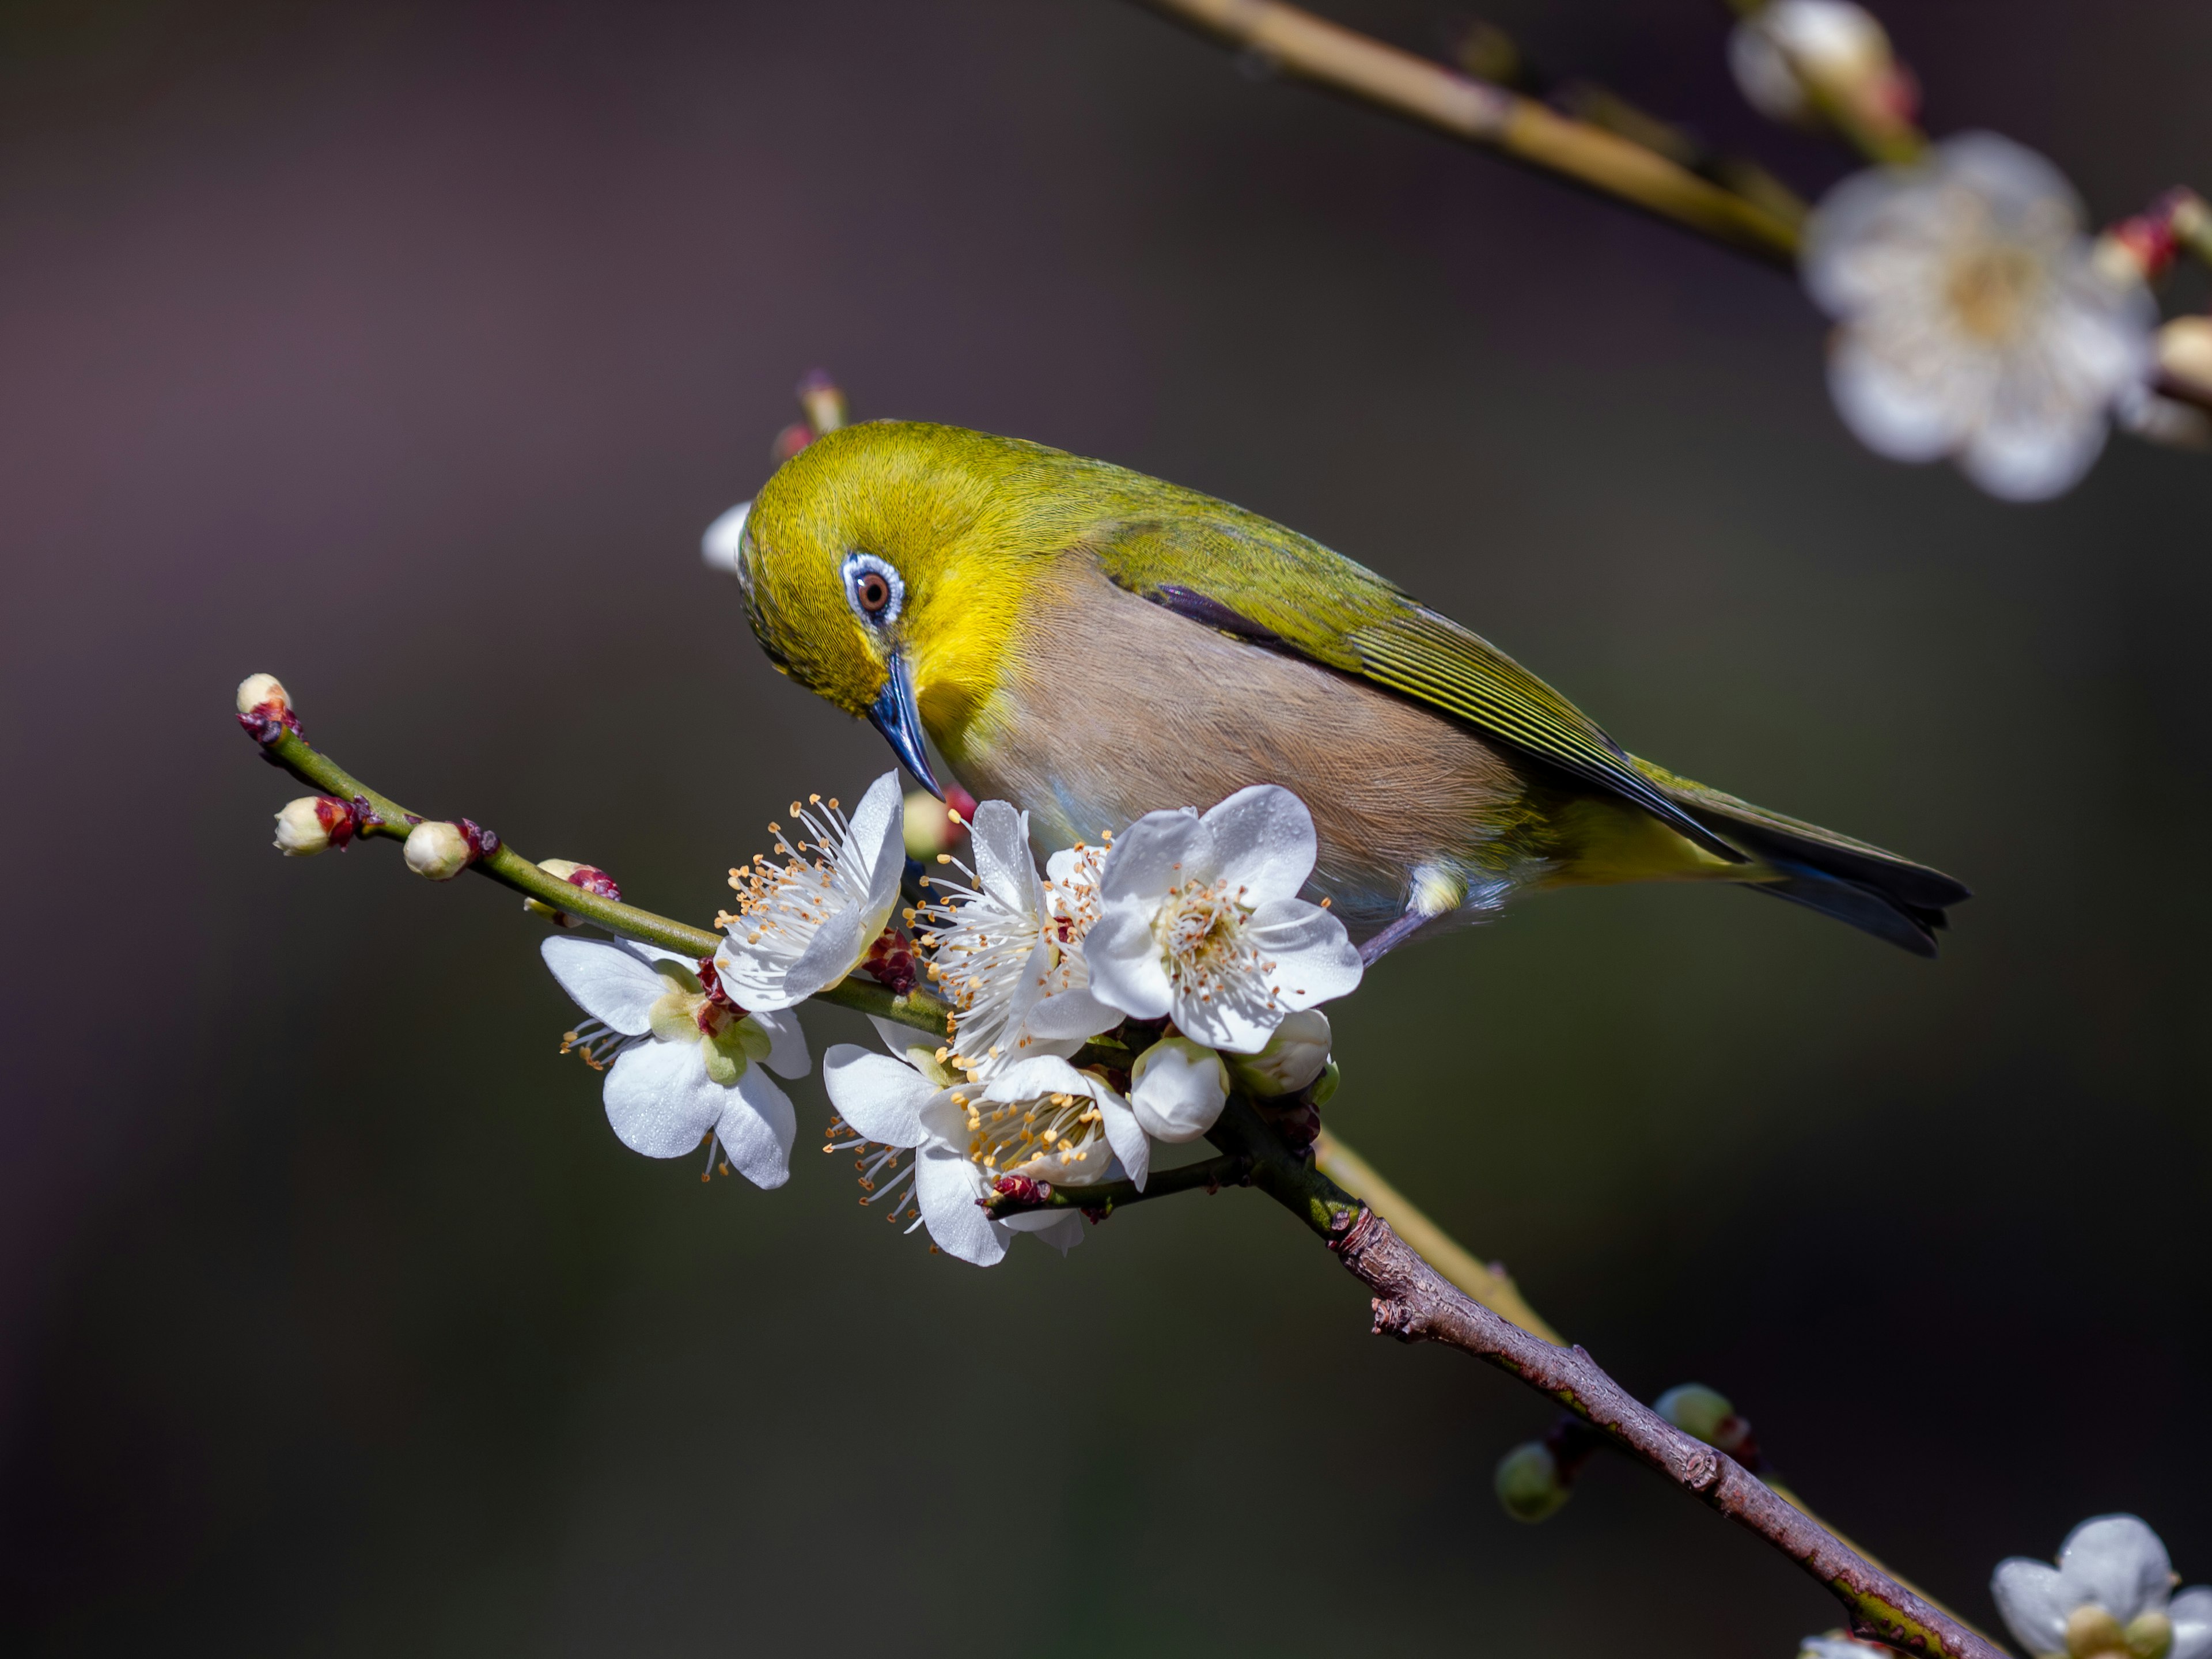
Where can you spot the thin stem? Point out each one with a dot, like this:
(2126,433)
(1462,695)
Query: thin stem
(1414,1302)
(1210,1174)
(1490,116)
(386,817)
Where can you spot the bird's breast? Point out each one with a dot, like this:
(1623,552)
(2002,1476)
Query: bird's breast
(1110,706)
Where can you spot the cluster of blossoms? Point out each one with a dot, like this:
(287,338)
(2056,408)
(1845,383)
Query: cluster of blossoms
(1184,933)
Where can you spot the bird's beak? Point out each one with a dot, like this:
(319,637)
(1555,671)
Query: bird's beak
(895,716)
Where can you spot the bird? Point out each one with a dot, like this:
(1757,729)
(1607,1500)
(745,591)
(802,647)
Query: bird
(1091,644)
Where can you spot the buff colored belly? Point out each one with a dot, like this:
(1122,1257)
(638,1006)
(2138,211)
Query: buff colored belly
(1117,707)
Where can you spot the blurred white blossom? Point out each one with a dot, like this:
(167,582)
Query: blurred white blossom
(1199,921)
(804,925)
(2111,1596)
(684,1065)
(1973,319)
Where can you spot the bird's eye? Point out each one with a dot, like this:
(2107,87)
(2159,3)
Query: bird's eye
(873,588)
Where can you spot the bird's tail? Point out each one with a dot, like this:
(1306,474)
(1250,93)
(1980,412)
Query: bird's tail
(1875,891)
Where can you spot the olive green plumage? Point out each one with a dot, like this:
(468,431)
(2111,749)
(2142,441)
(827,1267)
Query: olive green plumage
(1091,643)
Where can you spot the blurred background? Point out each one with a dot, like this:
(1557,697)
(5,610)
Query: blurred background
(404,350)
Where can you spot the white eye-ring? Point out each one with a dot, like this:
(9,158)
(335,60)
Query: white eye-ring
(873,589)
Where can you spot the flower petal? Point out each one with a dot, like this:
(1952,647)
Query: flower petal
(876,836)
(787,1052)
(1177,1089)
(1316,960)
(947,1187)
(836,950)
(1263,842)
(1124,1134)
(879,1097)
(1061,1229)
(2032,1599)
(2118,1562)
(2191,1613)
(1155,853)
(1073,1013)
(1894,409)
(2034,460)
(1124,961)
(1004,869)
(756,1129)
(611,980)
(661,1100)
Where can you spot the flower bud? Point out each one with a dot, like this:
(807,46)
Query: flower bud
(312,824)
(824,403)
(1838,45)
(2184,352)
(265,709)
(1698,1410)
(589,878)
(723,541)
(261,691)
(1294,1056)
(1528,1483)
(438,851)
(1177,1089)
(930,827)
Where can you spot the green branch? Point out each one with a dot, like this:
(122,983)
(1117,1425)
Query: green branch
(387,819)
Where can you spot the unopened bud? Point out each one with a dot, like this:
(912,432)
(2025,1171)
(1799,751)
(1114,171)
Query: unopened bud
(265,709)
(1177,1089)
(931,828)
(824,403)
(587,878)
(1295,1056)
(1698,1410)
(1528,1483)
(2184,352)
(724,543)
(438,851)
(312,824)
(1838,46)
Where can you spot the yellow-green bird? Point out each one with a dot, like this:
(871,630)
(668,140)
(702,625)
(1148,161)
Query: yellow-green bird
(1091,644)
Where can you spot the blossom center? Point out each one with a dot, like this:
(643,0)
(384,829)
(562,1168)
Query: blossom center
(1205,947)
(1991,289)
(783,905)
(1060,1136)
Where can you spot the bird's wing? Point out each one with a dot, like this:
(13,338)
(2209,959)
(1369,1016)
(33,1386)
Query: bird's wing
(1252,578)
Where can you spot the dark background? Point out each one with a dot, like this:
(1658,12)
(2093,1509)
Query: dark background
(403,350)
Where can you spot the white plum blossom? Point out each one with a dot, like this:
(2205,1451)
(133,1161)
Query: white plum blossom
(1038,1118)
(1008,956)
(1973,318)
(684,1067)
(2111,1594)
(804,925)
(1177,1089)
(1199,921)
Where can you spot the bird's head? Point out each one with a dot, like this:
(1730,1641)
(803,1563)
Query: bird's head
(885,567)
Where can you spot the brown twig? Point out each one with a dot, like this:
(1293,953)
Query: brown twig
(1490,116)
(1413,1303)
